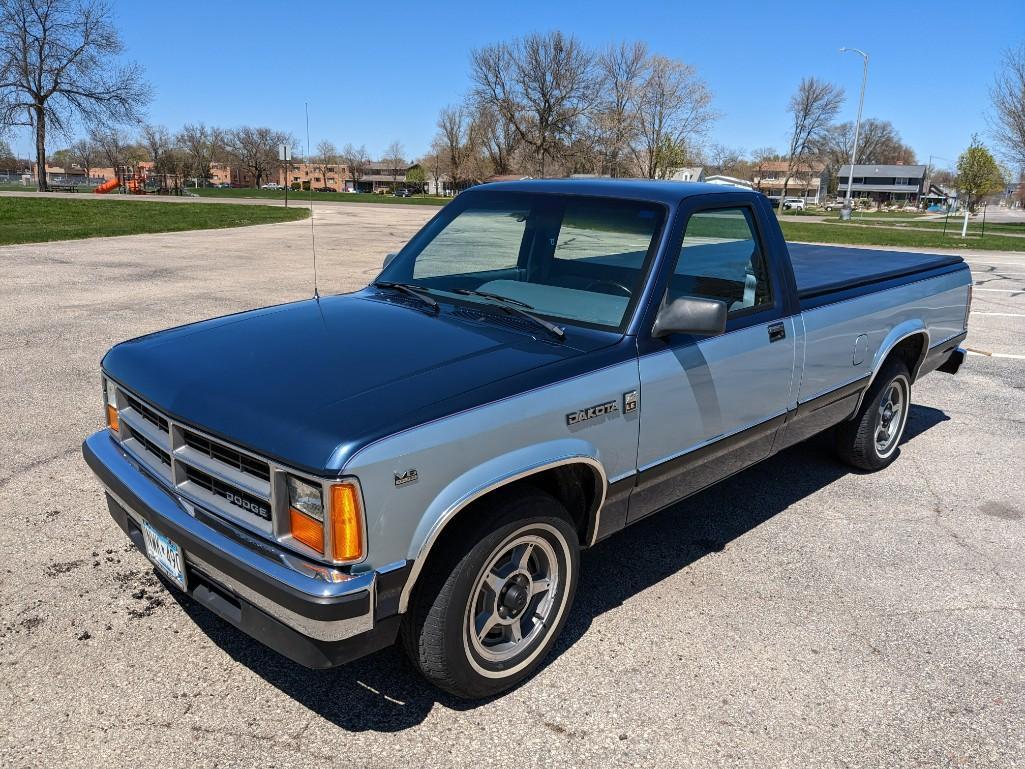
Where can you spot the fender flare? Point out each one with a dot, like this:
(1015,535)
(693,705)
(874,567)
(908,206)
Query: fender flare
(490,476)
(898,334)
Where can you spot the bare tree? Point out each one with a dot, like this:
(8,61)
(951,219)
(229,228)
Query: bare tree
(356,160)
(542,84)
(161,147)
(255,149)
(622,68)
(1008,97)
(114,146)
(59,63)
(434,164)
(394,159)
(84,154)
(673,112)
(326,157)
(455,141)
(812,110)
(494,137)
(201,147)
(724,160)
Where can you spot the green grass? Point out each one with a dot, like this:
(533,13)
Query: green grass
(845,234)
(954,225)
(343,197)
(34,220)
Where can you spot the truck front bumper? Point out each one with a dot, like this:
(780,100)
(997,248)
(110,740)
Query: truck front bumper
(313,614)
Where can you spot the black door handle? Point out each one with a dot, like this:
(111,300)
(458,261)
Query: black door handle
(777,331)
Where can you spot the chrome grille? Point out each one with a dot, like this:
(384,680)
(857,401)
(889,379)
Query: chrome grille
(208,472)
(229,456)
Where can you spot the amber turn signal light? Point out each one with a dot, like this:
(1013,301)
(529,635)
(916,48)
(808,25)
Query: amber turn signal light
(307,530)
(112,422)
(346,523)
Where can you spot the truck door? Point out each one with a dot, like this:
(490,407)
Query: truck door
(711,406)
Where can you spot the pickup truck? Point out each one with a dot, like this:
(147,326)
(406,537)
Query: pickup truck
(544,363)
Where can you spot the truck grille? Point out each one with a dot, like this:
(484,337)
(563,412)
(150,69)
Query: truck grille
(218,477)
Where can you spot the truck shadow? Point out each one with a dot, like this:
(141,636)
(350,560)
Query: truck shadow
(383,693)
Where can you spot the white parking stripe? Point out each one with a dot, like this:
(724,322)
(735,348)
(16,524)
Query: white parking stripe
(997,355)
(1001,314)
(1002,290)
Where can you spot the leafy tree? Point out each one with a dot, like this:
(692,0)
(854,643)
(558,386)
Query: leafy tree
(415,177)
(978,174)
(59,61)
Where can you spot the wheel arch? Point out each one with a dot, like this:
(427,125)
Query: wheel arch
(576,477)
(909,340)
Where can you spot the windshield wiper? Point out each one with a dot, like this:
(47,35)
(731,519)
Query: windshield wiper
(411,290)
(514,306)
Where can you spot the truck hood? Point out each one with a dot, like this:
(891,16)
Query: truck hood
(310,382)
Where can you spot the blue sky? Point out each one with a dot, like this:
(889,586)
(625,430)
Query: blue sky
(374,72)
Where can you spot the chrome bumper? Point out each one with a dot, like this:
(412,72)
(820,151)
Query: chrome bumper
(318,602)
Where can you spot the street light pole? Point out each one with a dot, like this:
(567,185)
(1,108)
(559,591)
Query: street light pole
(845,212)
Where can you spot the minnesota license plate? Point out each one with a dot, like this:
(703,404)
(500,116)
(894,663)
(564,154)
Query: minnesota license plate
(165,554)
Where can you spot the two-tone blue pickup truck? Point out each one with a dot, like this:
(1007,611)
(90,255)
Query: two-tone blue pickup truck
(543,364)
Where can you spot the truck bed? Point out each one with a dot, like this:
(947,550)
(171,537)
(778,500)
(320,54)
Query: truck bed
(823,271)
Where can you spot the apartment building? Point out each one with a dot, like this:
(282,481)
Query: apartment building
(884,183)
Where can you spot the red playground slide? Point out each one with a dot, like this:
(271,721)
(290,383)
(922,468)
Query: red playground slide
(107,186)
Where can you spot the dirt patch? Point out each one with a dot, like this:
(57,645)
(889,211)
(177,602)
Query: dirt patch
(1002,510)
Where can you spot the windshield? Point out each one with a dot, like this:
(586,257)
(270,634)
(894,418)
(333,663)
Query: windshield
(571,258)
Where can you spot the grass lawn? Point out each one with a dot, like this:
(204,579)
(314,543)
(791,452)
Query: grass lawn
(845,234)
(33,220)
(954,225)
(343,197)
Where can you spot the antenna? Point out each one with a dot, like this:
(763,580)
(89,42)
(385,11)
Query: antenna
(313,231)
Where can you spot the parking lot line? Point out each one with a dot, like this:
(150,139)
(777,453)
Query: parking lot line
(1001,314)
(996,354)
(1003,290)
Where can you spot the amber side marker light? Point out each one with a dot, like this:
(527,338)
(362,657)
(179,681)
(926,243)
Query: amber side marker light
(346,523)
(112,422)
(307,530)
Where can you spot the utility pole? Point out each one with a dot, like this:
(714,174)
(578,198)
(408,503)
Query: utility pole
(845,212)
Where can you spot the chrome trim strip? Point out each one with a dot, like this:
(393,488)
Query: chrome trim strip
(446,517)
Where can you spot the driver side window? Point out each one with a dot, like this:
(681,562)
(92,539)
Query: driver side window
(720,258)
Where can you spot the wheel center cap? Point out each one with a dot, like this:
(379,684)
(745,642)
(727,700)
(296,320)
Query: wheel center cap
(514,598)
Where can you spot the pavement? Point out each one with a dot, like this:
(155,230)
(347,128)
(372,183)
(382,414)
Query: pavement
(796,615)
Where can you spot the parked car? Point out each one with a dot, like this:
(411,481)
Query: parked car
(272,186)
(435,477)
(325,189)
(402,192)
(795,204)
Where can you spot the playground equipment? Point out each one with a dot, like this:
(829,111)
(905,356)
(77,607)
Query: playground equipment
(137,180)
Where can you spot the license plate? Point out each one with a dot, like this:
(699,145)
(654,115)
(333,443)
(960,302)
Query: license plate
(165,554)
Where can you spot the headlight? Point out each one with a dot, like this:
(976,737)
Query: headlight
(306,498)
(110,404)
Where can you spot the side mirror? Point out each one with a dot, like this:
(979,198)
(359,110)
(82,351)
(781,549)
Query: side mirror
(388,260)
(691,315)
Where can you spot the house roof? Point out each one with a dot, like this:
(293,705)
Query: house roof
(781,165)
(883,170)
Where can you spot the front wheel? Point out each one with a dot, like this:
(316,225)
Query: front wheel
(870,440)
(491,608)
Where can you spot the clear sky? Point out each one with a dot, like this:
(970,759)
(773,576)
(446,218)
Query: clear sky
(374,72)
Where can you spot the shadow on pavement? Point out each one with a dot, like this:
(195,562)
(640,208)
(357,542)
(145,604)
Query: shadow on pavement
(383,693)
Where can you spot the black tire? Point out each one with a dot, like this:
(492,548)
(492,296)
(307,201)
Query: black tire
(857,440)
(436,630)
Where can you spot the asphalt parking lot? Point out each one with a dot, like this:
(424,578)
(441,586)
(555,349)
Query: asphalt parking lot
(798,615)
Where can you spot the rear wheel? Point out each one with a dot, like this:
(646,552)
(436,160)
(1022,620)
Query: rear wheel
(495,599)
(870,440)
